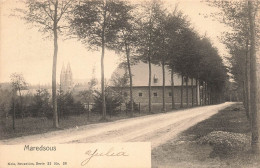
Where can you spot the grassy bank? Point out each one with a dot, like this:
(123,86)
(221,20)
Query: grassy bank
(187,150)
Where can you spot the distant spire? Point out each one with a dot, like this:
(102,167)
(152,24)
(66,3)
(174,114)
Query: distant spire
(68,68)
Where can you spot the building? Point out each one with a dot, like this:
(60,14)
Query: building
(140,76)
(66,80)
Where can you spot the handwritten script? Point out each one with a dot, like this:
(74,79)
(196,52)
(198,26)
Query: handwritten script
(90,154)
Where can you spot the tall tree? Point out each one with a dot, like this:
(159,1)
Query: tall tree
(151,29)
(183,60)
(49,17)
(175,23)
(161,40)
(96,23)
(127,43)
(146,22)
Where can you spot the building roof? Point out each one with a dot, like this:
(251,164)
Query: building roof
(140,74)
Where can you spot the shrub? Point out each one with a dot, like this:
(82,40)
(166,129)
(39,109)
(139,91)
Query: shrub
(39,106)
(67,106)
(135,106)
(113,101)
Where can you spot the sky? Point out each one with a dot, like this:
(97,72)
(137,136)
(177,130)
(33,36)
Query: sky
(23,50)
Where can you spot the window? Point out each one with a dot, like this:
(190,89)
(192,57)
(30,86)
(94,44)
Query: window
(170,94)
(155,79)
(140,94)
(155,94)
(125,94)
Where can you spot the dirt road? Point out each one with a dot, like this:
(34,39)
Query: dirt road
(157,128)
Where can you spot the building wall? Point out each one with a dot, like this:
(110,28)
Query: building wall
(144,90)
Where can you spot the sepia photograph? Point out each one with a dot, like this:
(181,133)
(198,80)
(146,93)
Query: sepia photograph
(129,83)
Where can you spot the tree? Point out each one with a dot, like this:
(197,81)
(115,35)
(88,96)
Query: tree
(114,100)
(175,23)
(148,23)
(240,16)
(5,104)
(184,54)
(40,104)
(96,23)
(87,95)
(253,82)
(120,82)
(18,84)
(126,43)
(235,15)
(49,16)
(160,42)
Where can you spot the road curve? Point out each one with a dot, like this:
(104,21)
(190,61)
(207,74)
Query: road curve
(157,128)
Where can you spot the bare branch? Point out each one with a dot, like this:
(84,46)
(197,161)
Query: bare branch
(49,14)
(64,9)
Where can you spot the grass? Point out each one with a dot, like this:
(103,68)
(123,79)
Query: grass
(30,126)
(185,151)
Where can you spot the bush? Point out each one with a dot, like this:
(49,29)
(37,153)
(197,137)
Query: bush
(67,106)
(225,142)
(135,106)
(40,105)
(113,101)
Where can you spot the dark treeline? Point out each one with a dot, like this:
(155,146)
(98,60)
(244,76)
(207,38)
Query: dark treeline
(150,33)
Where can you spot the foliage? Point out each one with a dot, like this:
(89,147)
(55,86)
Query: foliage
(40,105)
(41,14)
(120,81)
(135,106)
(86,95)
(18,82)
(113,101)
(96,23)
(235,15)
(67,106)
(5,102)
(96,19)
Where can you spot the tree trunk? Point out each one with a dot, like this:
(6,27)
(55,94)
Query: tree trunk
(130,77)
(192,94)
(181,91)
(172,88)
(21,104)
(244,96)
(202,93)
(13,113)
(205,93)
(197,92)
(187,92)
(247,82)
(150,88)
(208,94)
(253,84)
(163,91)
(54,67)
(102,69)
